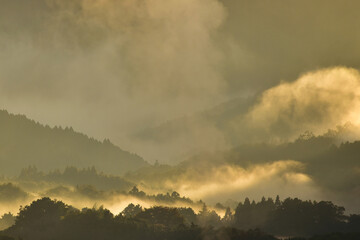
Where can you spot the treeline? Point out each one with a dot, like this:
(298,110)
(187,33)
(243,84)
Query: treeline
(49,219)
(170,198)
(329,162)
(294,217)
(76,187)
(74,176)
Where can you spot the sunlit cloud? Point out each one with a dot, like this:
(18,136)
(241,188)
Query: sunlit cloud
(316,102)
(230,181)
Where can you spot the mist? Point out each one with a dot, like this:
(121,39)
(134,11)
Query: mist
(210,183)
(113,68)
(198,106)
(96,62)
(316,101)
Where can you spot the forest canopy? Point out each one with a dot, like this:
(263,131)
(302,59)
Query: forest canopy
(51,219)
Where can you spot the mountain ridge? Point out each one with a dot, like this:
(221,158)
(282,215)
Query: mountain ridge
(25,142)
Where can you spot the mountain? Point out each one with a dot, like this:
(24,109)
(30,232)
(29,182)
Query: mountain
(217,117)
(323,165)
(213,129)
(24,142)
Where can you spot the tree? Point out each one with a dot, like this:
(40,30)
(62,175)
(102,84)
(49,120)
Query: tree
(42,212)
(167,217)
(6,221)
(188,215)
(175,195)
(208,218)
(131,210)
(135,192)
(243,214)
(277,201)
(228,217)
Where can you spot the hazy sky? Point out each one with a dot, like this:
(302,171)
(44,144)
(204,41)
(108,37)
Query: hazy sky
(112,68)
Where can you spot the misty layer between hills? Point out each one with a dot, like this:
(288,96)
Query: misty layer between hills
(310,167)
(111,68)
(255,170)
(316,101)
(147,74)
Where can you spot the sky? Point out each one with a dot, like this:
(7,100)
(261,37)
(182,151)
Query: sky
(170,79)
(112,69)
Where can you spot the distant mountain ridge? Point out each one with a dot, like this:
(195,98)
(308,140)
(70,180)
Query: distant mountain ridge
(218,117)
(24,142)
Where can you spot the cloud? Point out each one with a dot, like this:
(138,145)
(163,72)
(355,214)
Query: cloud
(142,49)
(11,197)
(219,181)
(83,62)
(256,181)
(286,39)
(111,68)
(11,193)
(316,101)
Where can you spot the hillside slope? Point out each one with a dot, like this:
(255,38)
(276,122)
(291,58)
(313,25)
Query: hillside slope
(24,142)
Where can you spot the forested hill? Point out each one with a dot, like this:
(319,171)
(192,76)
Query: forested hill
(24,142)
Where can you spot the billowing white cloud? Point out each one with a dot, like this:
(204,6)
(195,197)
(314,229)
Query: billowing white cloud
(317,101)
